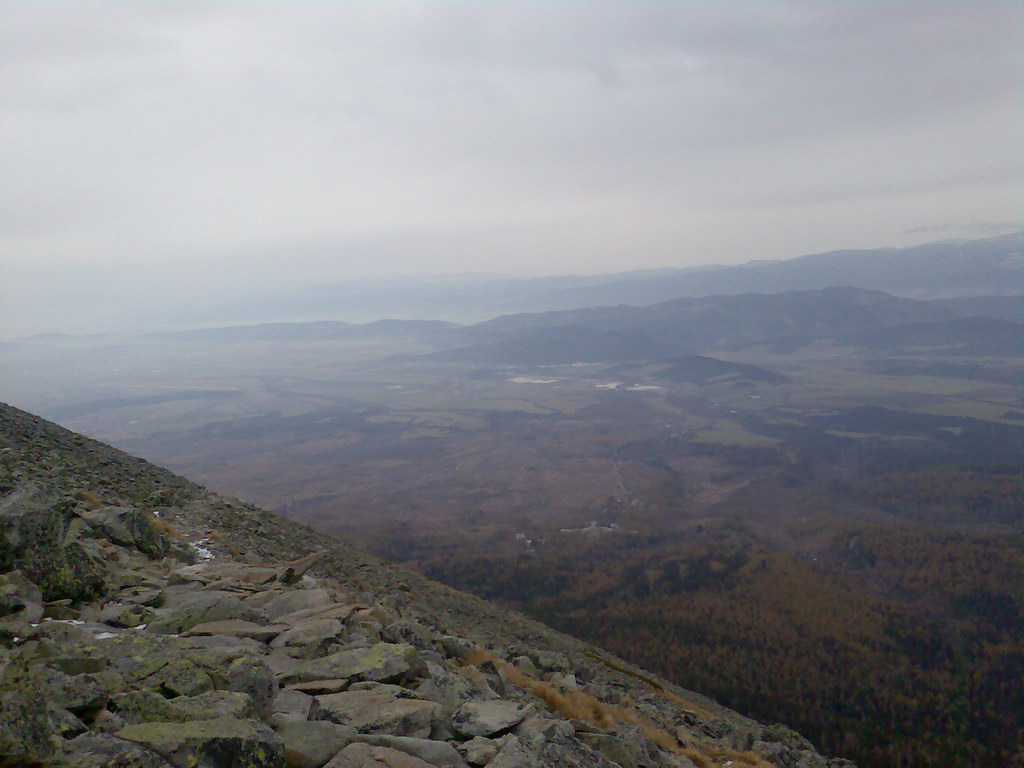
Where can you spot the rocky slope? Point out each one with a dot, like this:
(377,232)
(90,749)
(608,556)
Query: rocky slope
(147,622)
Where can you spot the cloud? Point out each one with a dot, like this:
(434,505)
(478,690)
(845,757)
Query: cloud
(498,136)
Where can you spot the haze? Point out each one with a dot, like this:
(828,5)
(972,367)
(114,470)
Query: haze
(161,159)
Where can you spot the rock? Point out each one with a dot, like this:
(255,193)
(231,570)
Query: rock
(478,750)
(20,599)
(486,718)
(26,734)
(95,750)
(525,665)
(211,743)
(147,706)
(309,639)
(249,675)
(368,756)
(550,661)
(786,736)
(128,527)
(628,747)
(381,662)
(513,754)
(237,628)
(538,730)
(333,611)
(281,603)
(82,694)
(295,705)
(368,712)
(449,690)
(118,615)
(149,597)
(201,608)
(319,687)
(439,753)
(310,744)
(38,536)
(65,723)
(106,721)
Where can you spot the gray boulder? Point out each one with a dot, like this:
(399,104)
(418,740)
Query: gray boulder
(367,712)
(369,756)
(26,734)
(97,750)
(486,718)
(311,743)
(439,753)
(381,662)
(201,608)
(211,743)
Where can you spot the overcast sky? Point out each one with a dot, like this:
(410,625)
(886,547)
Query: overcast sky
(158,150)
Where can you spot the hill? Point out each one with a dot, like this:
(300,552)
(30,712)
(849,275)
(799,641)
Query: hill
(689,326)
(147,622)
(958,268)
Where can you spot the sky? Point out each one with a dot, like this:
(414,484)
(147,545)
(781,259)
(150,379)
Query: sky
(179,153)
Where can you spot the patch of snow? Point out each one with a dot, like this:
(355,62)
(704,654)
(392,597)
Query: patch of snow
(643,387)
(609,385)
(62,621)
(528,380)
(105,635)
(202,551)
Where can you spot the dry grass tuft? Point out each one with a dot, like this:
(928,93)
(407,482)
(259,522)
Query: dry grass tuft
(214,536)
(654,684)
(89,498)
(163,526)
(583,706)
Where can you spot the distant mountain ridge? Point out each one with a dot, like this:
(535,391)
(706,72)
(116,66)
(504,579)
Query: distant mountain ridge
(695,326)
(939,270)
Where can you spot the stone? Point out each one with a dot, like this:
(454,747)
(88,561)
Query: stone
(439,753)
(295,705)
(309,639)
(319,687)
(369,756)
(279,604)
(65,723)
(20,599)
(310,743)
(538,730)
(128,527)
(119,615)
(147,706)
(333,611)
(249,675)
(38,536)
(367,712)
(381,662)
(449,690)
(237,628)
(201,608)
(26,734)
(225,741)
(627,746)
(97,750)
(478,750)
(486,718)
(551,661)
(514,754)
(525,665)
